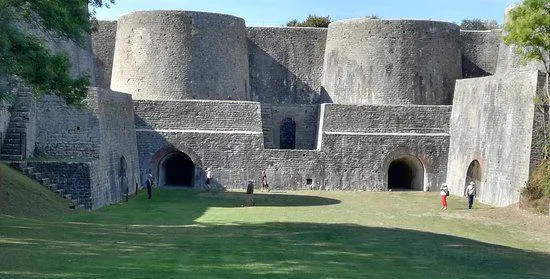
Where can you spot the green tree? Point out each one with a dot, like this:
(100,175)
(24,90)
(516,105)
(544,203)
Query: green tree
(311,21)
(478,24)
(528,29)
(24,55)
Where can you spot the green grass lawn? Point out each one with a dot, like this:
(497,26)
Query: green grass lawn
(189,234)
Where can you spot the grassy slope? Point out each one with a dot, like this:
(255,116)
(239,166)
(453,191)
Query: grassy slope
(186,234)
(22,196)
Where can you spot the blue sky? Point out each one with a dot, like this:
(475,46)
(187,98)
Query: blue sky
(278,12)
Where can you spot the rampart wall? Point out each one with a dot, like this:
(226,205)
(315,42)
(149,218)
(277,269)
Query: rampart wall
(175,55)
(492,122)
(398,62)
(286,64)
(103,45)
(480,51)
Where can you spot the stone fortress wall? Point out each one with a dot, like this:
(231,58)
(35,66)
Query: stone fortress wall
(332,109)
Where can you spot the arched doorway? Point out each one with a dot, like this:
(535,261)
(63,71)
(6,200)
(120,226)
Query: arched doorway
(288,134)
(406,173)
(177,169)
(473,174)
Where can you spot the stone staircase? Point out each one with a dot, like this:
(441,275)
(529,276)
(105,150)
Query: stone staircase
(46,182)
(267,124)
(14,141)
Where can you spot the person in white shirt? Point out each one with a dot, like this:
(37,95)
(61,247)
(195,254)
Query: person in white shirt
(208,178)
(444,192)
(471,193)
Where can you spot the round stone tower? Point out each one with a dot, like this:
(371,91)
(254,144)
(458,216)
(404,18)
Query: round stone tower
(177,55)
(391,62)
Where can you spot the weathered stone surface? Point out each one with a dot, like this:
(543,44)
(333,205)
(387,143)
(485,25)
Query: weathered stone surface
(398,62)
(103,45)
(479,52)
(176,55)
(286,64)
(492,123)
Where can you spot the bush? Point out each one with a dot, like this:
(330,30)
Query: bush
(478,24)
(537,192)
(311,21)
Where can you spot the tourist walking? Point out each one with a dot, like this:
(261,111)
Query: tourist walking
(250,193)
(265,185)
(471,193)
(444,192)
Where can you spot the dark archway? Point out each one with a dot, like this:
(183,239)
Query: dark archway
(406,173)
(288,134)
(473,174)
(177,169)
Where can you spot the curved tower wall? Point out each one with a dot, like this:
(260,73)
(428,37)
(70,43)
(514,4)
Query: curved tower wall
(398,62)
(176,55)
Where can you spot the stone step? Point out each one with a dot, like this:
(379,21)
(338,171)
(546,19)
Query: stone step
(13,136)
(9,145)
(67,196)
(52,186)
(17,130)
(11,151)
(7,157)
(45,181)
(28,170)
(37,176)
(59,191)
(20,166)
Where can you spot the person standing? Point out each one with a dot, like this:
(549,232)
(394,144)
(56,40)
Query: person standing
(208,179)
(471,192)
(149,184)
(250,193)
(444,192)
(265,185)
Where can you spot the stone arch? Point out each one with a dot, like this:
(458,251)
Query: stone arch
(167,152)
(405,172)
(287,137)
(473,174)
(176,169)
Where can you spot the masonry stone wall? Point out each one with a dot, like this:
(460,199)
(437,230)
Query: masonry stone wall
(305,117)
(197,115)
(63,130)
(492,122)
(286,64)
(175,55)
(386,119)
(71,177)
(480,51)
(399,62)
(103,46)
(117,170)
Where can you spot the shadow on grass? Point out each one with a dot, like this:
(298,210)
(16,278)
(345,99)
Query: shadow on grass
(271,250)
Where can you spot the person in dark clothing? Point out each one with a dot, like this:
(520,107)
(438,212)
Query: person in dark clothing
(250,193)
(149,184)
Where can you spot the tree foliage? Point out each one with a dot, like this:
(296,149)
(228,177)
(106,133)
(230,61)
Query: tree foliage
(479,24)
(25,55)
(311,21)
(528,28)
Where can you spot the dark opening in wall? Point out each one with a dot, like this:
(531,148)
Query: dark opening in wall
(309,181)
(406,173)
(473,174)
(288,134)
(178,170)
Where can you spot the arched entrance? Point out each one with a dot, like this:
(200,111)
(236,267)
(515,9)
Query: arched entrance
(406,173)
(288,134)
(177,169)
(124,187)
(473,174)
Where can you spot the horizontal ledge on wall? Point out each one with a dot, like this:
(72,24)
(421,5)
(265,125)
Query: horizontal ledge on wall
(388,134)
(199,131)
